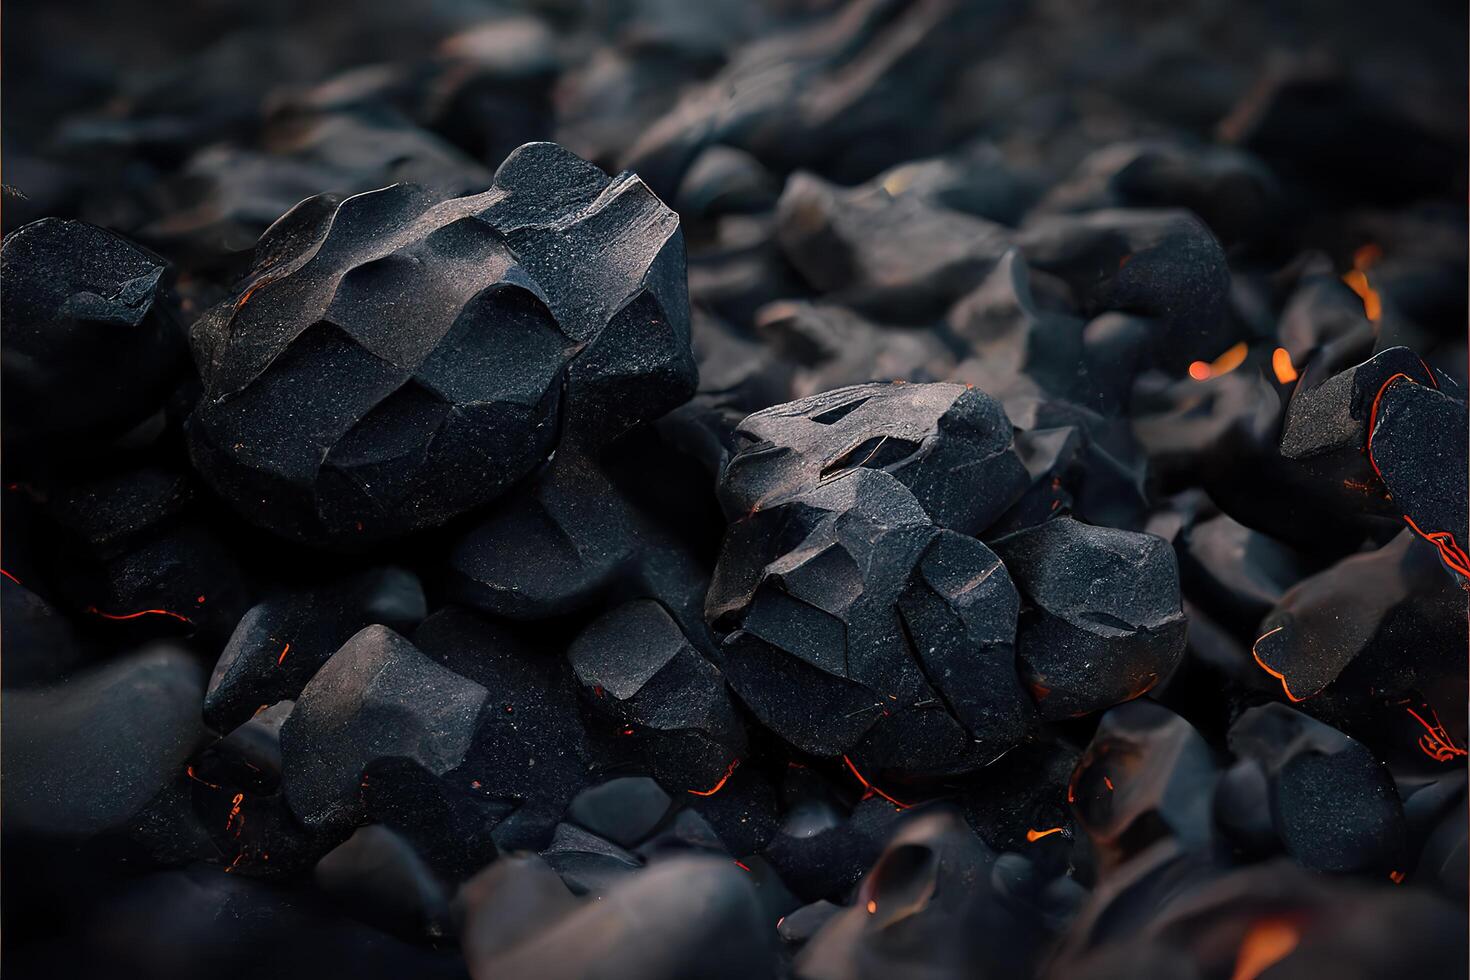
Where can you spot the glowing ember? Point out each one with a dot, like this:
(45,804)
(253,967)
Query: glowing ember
(870,788)
(9,576)
(1268,942)
(1436,742)
(872,907)
(1255,652)
(1357,280)
(1397,877)
(1224,364)
(142,612)
(1032,836)
(1281,364)
(282,658)
(719,785)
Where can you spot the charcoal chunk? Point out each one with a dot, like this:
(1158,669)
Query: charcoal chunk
(90,344)
(280,643)
(41,646)
(85,755)
(1147,773)
(396,359)
(1104,623)
(830,647)
(587,863)
(896,257)
(1334,806)
(933,878)
(951,446)
(836,347)
(376,876)
(623,811)
(640,674)
(818,863)
(377,697)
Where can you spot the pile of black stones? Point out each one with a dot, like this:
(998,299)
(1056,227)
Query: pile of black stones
(646,489)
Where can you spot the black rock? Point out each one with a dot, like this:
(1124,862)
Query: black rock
(898,257)
(1146,774)
(529,751)
(280,643)
(91,346)
(376,876)
(41,646)
(852,624)
(823,862)
(1334,806)
(624,810)
(449,823)
(951,446)
(680,918)
(396,359)
(640,675)
(834,347)
(377,697)
(926,909)
(586,862)
(1103,622)
(88,754)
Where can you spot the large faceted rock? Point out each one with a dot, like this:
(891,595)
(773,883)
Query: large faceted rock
(950,445)
(395,359)
(1105,622)
(852,624)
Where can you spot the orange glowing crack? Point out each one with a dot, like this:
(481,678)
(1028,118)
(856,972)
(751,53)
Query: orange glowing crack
(1449,551)
(1268,942)
(1281,364)
(1373,417)
(1357,280)
(742,865)
(717,786)
(1224,364)
(1397,877)
(1436,742)
(282,658)
(1255,652)
(142,612)
(1032,836)
(189,771)
(870,788)
(1108,783)
(9,576)
(235,812)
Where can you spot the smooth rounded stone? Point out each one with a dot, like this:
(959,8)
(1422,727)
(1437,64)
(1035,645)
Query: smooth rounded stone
(1146,774)
(834,347)
(529,750)
(90,346)
(639,673)
(925,910)
(377,877)
(1163,263)
(586,862)
(800,926)
(281,642)
(395,359)
(974,178)
(895,257)
(1236,572)
(1242,809)
(851,623)
(1333,804)
(687,831)
(377,697)
(1105,623)
(950,445)
(682,917)
(569,541)
(85,755)
(1417,449)
(623,810)
(41,646)
(1233,191)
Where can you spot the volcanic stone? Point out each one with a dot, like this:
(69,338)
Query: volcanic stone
(280,643)
(395,359)
(1334,805)
(951,446)
(376,876)
(1105,622)
(377,697)
(624,810)
(640,674)
(90,344)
